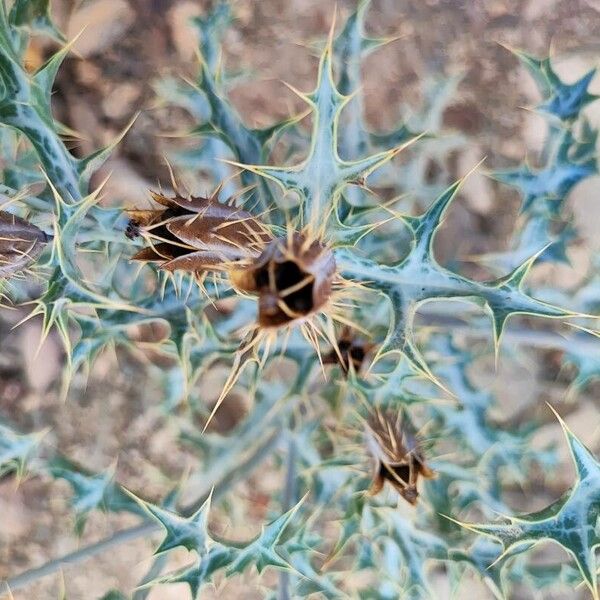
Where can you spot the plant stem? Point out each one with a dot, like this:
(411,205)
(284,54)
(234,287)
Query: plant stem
(289,495)
(153,572)
(53,566)
(8,195)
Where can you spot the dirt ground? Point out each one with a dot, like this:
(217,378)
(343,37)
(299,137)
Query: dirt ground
(128,44)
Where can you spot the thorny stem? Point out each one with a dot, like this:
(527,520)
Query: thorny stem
(145,529)
(289,495)
(537,339)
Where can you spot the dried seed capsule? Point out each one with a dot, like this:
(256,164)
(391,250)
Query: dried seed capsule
(397,456)
(21,243)
(197,234)
(351,350)
(293,278)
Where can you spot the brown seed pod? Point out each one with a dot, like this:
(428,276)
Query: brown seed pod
(197,234)
(21,243)
(396,453)
(293,278)
(351,350)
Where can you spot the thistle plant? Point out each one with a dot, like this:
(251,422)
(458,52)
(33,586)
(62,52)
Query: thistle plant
(305,283)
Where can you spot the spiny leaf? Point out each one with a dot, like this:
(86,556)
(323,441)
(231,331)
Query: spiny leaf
(571,521)
(482,557)
(425,226)
(350,47)
(197,575)
(561,99)
(35,14)
(190,533)
(211,28)
(87,166)
(320,178)
(586,360)
(418,278)
(538,233)
(16,450)
(409,548)
(92,491)
(46,75)
(545,189)
(261,551)
(235,557)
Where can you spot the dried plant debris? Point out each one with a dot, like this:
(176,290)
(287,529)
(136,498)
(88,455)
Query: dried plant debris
(197,234)
(291,276)
(397,454)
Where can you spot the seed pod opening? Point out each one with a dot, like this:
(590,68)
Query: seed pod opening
(196,234)
(293,278)
(396,453)
(21,243)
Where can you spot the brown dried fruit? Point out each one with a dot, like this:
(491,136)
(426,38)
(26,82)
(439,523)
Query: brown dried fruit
(197,234)
(21,243)
(397,456)
(293,278)
(351,350)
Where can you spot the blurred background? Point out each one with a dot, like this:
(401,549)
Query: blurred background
(124,48)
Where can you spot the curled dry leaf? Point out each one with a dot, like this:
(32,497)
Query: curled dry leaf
(397,455)
(21,243)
